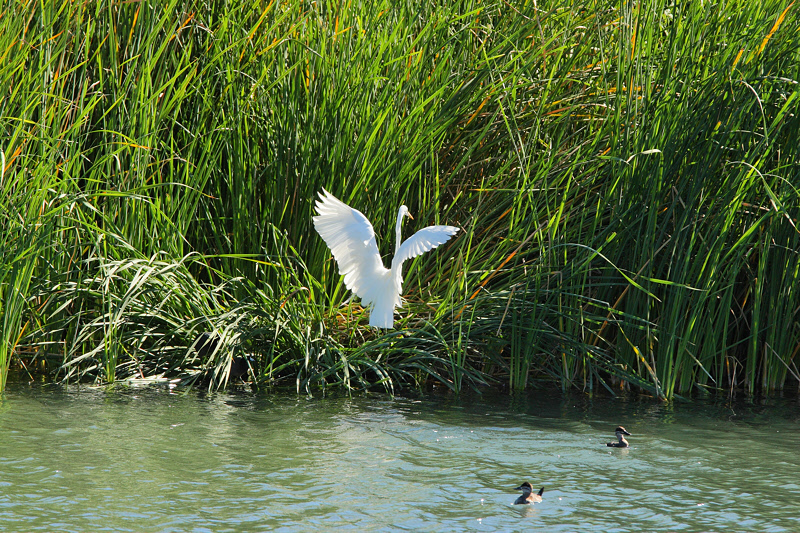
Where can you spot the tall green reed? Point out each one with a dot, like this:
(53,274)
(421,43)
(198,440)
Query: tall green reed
(622,174)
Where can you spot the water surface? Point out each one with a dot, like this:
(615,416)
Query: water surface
(83,459)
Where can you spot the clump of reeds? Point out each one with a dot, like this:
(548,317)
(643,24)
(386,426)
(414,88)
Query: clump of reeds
(624,174)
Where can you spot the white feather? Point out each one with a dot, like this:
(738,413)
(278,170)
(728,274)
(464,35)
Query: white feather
(351,238)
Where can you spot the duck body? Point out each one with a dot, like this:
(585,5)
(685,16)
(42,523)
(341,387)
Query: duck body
(527,494)
(621,442)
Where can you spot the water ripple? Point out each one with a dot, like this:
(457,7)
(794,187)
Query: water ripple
(156,461)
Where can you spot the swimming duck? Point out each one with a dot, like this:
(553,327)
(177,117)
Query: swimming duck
(622,443)
(527,496)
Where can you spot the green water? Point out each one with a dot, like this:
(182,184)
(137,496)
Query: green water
(155,460)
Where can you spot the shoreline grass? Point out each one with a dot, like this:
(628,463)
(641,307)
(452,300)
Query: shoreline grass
(625,176)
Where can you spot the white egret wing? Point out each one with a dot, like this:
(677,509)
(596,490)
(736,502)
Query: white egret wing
(351,238)
(422,241)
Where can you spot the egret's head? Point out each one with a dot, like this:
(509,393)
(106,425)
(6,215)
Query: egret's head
(404,213)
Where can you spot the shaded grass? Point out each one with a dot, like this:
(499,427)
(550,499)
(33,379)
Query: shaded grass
(624,175)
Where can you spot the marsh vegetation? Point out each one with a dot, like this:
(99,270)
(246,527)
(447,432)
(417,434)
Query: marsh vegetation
(625,176)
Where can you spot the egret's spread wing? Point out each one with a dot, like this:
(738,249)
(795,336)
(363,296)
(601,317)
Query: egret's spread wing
(350,236)
(423,241)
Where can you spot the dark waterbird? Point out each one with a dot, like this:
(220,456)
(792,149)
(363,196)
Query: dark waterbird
(240,365)
(527,494)
(206,344)
(621,442)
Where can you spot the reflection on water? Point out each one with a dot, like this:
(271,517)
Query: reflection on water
(155,460)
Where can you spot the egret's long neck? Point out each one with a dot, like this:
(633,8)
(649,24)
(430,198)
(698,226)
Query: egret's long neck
(399,235)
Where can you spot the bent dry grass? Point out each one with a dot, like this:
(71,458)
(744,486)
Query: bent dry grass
(625,177)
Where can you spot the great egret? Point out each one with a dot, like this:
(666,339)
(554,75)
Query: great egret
(350,236)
